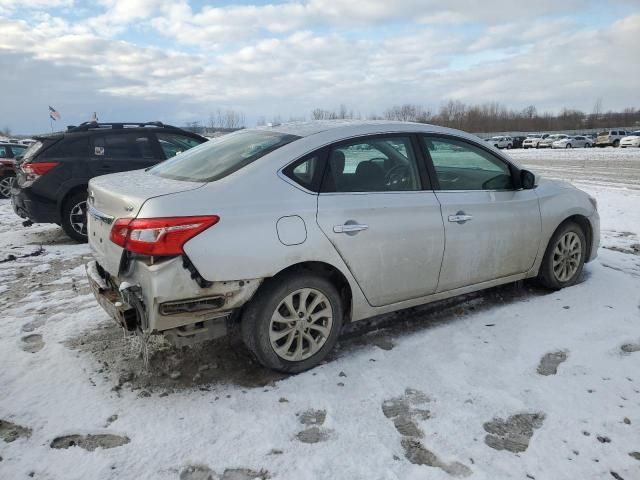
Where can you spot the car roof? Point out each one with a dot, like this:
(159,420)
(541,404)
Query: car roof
(338,129)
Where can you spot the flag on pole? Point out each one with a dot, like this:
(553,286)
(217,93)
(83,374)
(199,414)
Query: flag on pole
(53,113)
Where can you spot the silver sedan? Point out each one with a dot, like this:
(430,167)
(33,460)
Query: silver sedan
(289,232)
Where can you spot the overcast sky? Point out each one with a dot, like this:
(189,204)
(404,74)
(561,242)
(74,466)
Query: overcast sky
(178,60)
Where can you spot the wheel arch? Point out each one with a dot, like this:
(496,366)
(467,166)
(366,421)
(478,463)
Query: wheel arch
(583,222)
(69,193)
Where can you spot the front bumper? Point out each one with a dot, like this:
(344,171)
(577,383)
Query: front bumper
(594,220)
(165,296)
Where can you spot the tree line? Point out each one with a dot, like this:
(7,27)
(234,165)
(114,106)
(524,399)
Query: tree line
(486,117)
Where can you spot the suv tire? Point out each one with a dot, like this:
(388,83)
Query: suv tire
(74,217)
(564,258)
(265,321)
(616,143)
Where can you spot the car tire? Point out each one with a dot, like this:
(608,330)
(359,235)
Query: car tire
(568,146)
(263,333)
(5,185)
(587,145)
(509,146)
(74,217)
(564,258)
(616,143)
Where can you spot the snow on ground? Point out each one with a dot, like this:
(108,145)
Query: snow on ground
(516,382)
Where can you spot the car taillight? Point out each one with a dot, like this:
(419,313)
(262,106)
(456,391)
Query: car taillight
(158,237)
(36,170)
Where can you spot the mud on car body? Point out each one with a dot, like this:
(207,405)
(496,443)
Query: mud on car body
(291,231)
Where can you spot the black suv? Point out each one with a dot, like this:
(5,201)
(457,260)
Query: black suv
(52,176)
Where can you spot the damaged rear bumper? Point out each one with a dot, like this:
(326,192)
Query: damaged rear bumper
(166,298)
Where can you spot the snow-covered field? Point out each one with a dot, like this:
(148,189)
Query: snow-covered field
(516,382)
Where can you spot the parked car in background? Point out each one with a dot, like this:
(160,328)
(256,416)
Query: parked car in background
(533,139)
(548,142)
(8,153)
(610,138)
(289,232)
(518,141)
(501,141)
(575,141)
(631,140)
(52,177)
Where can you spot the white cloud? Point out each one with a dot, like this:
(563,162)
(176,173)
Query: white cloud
(278,65)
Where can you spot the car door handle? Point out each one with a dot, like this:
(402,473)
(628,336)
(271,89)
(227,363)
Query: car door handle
(460,218)
(349,228)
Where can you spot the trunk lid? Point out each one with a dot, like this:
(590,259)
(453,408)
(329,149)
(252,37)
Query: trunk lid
(121,195)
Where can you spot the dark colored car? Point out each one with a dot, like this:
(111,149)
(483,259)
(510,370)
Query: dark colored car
(52,176)
(8,153)
(517,141)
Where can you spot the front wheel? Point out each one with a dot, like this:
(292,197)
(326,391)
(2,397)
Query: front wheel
(293,322)
(5,186)
(564,258)
(74,217)
(568,145)
(616,143)
(587,145)
(509,146)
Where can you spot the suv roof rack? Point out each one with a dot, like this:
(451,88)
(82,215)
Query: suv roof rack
(86,126)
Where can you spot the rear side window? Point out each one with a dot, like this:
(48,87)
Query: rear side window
(222,156)
(68,148)
(122,146)
(173,143)
(378,164)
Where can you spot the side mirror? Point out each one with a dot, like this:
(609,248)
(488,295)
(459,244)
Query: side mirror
(528,179)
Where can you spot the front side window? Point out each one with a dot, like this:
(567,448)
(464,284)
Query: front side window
(462,166)
(378,164)
(222,156)
(173,143)
(4,152)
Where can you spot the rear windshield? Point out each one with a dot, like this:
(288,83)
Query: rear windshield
(222,156)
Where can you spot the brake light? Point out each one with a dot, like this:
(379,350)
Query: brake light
(158,237)
(36,170)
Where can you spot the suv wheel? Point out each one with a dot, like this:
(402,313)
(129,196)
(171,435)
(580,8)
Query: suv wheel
(5,186)
(616,143)
(293,322)
(509,146)
(564,259)
(568,145)
(74,217)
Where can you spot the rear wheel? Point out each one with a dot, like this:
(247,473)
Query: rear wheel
(568,145)
(509,146)
(564,258)
(74,217)
(5,186)
(587,145)
(293,322)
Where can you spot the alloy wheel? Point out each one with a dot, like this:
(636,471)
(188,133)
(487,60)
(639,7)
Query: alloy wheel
(301,324)
(5,186)
(78,218)
(566,256)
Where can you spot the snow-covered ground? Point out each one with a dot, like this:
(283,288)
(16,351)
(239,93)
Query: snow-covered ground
(516,382)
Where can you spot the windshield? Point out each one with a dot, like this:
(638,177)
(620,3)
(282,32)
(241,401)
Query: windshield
(222,156)
(635,134)
(534,136)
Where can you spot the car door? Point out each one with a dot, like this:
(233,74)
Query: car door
(492,226)
(122,151)
(379,212)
